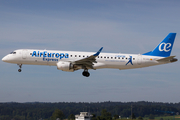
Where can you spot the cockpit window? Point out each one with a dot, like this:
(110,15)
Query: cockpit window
(12,52)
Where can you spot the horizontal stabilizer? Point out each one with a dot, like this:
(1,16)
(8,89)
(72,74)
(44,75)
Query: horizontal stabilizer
(170,59)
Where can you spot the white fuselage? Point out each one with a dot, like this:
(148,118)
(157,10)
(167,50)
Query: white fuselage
(73,60)
(104,60)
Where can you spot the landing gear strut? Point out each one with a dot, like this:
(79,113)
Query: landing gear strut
(20,66)
(86,73)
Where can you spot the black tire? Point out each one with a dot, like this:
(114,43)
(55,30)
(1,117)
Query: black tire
(86,74)
(19,70)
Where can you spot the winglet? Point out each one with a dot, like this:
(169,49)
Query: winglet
(98,52)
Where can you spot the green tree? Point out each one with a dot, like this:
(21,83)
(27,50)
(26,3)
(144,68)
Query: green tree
(18,118)
(105,115)
(116,116)
(151,116)
(71,117)
(93,117)
(133,116)
(57,114)
(99,118)
(140,118)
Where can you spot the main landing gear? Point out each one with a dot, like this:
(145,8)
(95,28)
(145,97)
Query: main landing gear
(20,66)
(86,73)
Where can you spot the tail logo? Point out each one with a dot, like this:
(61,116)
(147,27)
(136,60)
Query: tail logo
(165,47)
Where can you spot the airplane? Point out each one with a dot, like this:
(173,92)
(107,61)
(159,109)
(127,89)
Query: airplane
(71,61)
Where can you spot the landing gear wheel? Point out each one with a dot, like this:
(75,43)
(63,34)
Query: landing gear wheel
(20,66)
(19,70)
(86,73)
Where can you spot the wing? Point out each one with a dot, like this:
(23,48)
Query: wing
(88,62)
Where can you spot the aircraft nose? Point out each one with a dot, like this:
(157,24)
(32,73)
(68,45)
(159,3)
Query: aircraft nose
(5,59)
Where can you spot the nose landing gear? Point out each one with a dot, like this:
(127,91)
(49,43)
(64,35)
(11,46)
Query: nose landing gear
(20,66)
(86,73)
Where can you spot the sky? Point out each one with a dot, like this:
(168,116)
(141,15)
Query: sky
(120,26)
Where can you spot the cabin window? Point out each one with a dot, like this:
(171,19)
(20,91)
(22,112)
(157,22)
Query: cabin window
(75,55)
(30,53)
(101,57)
(79,55)
(114,57)
(111,57)
(71,55)
(104,57)
(107,57)
(133,58)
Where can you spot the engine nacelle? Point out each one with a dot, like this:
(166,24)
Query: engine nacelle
(65,66)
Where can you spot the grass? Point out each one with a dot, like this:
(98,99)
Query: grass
(176,117)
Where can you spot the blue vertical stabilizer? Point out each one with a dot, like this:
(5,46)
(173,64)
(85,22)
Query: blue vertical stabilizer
(165,47)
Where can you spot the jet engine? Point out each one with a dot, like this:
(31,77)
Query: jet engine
(65,66)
